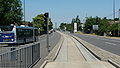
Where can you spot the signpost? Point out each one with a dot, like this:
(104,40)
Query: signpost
(95,27)
(47,21)
(75,27)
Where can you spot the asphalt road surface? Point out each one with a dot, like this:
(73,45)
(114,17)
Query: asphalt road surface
(108,44)
(53,40)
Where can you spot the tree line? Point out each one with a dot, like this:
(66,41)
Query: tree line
(109,27)
(11,12)
(70,26)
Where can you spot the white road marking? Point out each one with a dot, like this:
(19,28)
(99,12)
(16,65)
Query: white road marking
(110,43)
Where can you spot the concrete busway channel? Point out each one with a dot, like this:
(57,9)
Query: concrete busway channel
(73,54)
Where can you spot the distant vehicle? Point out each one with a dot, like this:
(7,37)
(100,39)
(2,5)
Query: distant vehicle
(50,31)
(18,34)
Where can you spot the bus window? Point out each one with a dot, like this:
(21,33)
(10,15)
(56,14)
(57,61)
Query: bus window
(0,29)
(20,33)
(6,28)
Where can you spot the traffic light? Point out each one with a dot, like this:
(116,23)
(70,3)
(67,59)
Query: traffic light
(46,15)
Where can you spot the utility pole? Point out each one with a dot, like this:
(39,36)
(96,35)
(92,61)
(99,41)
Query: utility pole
(119,23)
(113,9)
(114,13)
(86,15)
(55,26)
(24,11)
(119,15)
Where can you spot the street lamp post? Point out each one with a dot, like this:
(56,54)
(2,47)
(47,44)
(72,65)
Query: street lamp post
(24,11)
(55,26)
(113,9)
(119,23)
(114,13)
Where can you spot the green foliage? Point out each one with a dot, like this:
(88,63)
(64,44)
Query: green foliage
(10,12)
(90,21)
(69,27)
(104,26)
(116,19)
(76,20)
(62,26)
(39,22)
(114,27)
(50,24)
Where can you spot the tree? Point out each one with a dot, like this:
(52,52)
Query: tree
(10,12)
(114,29)
(72,23)
(90,21)
(40,21)
(103,26)
(76,20)
(50,24)
(68,27)
(116,19)
(62,26)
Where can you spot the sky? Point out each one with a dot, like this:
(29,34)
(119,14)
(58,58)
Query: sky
(64,10)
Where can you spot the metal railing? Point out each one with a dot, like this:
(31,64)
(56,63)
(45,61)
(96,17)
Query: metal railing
(21,58)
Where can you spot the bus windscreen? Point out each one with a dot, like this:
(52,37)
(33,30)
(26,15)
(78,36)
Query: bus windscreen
(6,28)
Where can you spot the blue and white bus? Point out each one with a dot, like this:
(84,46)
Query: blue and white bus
(18,34)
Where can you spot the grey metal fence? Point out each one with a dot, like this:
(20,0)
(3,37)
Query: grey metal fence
(21,58)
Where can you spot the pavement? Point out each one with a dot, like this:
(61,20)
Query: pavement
(73,54)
